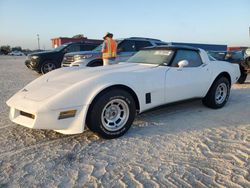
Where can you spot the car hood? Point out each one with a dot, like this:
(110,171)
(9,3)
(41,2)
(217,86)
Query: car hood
(75,74)
(83,53)
(58,80)
(43,53)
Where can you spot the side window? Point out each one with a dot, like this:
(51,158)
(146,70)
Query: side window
(211,58)
(193,58)
(141,44)
(87,47)
(73,48)
(126,46)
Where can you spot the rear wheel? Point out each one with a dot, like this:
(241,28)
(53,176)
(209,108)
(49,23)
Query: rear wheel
(111,114)
(47,67)
(218,94)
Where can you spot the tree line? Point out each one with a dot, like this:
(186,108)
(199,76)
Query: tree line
(7,49)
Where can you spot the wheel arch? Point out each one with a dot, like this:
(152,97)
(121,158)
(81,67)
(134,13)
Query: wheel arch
(92,62)
(222,74)
(226,75)
(117,86)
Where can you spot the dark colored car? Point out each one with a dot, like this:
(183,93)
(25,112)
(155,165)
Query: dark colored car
(43,62)
(238,57)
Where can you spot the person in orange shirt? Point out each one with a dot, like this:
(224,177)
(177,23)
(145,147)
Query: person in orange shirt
(109,49)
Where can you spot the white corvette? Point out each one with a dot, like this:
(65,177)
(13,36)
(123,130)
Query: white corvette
(106,99)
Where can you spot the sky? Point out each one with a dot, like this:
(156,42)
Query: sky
(194,21)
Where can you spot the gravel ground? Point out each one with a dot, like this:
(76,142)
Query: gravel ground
(182,145)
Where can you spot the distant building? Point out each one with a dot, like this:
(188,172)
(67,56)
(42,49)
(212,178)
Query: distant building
(77,38)
(207,47)
(236,48)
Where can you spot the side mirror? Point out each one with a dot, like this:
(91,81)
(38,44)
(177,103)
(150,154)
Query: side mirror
(182,63)
(65,50)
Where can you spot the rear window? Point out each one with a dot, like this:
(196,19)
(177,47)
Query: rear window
(218,55)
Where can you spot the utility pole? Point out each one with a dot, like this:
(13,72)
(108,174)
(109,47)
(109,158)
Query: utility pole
(38,41)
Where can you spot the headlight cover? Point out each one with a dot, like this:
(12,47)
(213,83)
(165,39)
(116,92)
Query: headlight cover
(79,57)
(35,57)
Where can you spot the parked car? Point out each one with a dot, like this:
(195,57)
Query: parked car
(107,98)
(16,53)
(237,57)
(125,49)
(43,62)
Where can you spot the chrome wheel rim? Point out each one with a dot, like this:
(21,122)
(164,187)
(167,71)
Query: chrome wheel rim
(221,93)
(115,115)
(48,67)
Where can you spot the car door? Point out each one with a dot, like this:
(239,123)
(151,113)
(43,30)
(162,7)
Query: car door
(188,82)
(125,50)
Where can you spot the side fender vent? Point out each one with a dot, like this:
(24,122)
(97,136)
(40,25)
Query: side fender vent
(148,98)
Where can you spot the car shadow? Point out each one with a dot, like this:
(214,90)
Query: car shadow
(193,116)
(168,119)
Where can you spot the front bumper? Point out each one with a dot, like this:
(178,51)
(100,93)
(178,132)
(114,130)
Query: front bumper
(31,64)
(33,115)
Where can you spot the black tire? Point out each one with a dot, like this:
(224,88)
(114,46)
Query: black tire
(217,100)
(100,113)
(47,66)
(95,63)
(242,78)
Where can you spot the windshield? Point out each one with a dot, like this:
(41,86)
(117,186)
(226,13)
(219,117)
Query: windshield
(158,57)
(99,48)
(59,48)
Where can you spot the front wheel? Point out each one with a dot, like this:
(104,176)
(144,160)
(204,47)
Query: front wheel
(47,67)
(218,94)
(111,114)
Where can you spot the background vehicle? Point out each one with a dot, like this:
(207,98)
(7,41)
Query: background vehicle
(125,49)
(107,98)
(237,57)
(43,62)
(16,53)
(247,52)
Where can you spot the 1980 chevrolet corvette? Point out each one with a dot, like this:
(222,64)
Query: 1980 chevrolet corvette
(106,99)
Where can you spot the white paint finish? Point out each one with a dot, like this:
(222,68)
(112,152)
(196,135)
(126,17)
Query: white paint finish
(187,82)
(75,88)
